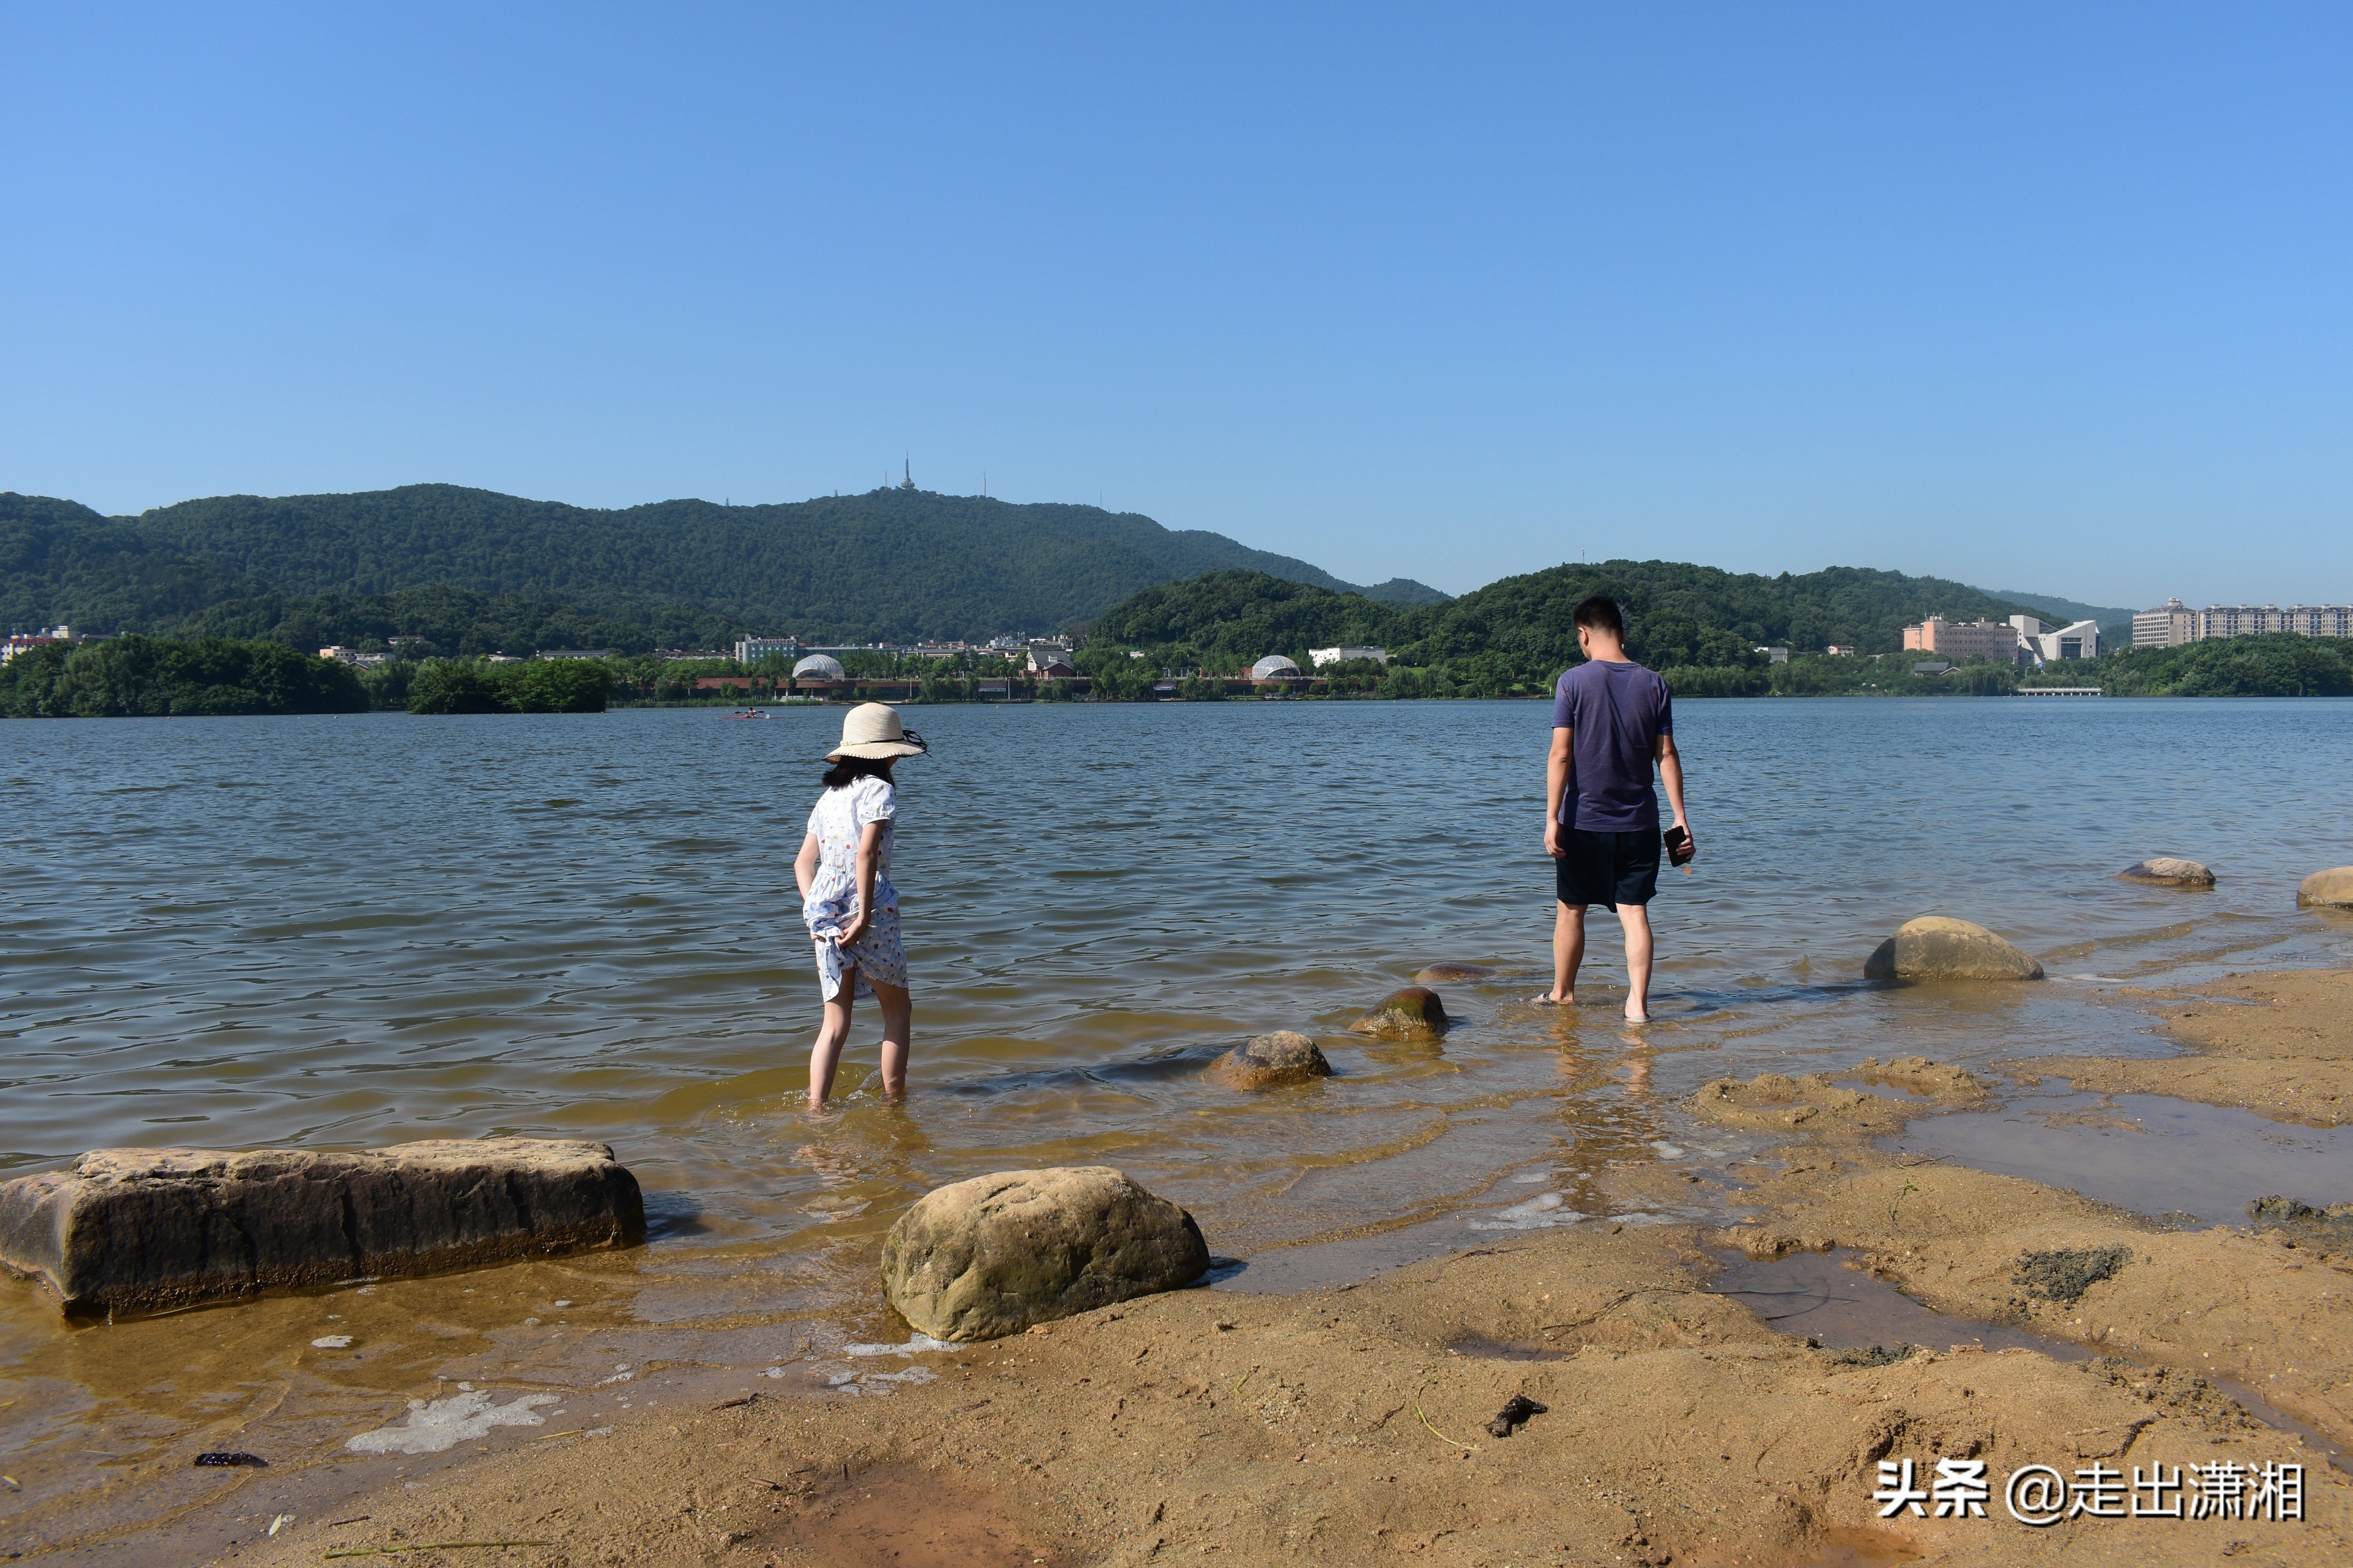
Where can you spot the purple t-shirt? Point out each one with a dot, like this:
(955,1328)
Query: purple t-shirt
(1615,714)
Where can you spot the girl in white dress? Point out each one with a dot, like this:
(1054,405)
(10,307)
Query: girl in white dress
(847,899)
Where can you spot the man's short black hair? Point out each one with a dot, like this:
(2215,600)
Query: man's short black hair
(1598,612)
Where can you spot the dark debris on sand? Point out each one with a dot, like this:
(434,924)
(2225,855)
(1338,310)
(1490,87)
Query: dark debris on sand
(2064,1275)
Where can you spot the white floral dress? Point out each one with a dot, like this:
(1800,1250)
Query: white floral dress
(838,823)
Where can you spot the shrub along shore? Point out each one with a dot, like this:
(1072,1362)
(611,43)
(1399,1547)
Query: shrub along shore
(136,676)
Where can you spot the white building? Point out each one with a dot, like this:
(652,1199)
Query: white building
(752,650)
(1273,667)
(2077,639)
(1320,656)
(2169,625)
(2174,623)
(819,666)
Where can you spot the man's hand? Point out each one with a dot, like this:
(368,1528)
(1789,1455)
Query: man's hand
(1691,844)
(1553,846)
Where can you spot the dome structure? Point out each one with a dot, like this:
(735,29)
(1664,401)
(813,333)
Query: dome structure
(817,667)
(1273,667)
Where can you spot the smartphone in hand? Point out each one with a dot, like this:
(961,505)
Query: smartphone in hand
(1679,847)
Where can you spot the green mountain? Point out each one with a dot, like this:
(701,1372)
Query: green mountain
(891,564)
(1678,615)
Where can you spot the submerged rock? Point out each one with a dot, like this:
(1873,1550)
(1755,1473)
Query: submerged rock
(2168,871)
(137,1229)
(1935,948)
(2326,888)
(2327,1230)
(1271,1061)
(1414,1010)
(990,1257)
(1440,973)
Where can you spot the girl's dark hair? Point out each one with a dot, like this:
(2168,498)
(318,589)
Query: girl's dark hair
(849,770)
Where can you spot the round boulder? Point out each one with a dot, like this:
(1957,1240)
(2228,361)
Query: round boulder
(1416,1010)
(990,1257)
(1935,948)
(1270,1060)
(2326,889)
(1440,973)
(2167,871)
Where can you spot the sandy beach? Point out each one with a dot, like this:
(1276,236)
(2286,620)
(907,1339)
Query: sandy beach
(1680,1427)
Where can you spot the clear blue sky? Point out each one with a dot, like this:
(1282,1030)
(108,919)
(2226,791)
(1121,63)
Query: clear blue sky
(2051,298)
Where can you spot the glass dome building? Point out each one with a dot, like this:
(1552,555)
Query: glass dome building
(1273,667)
(817,667)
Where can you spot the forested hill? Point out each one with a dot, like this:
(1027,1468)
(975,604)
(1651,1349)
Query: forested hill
(1678,615)
(884,565)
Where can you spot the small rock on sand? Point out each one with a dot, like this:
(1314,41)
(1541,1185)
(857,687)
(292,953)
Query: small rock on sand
(2326,888)
(1935,948)
(2168,871)
(990,1257)
(1440,973)
(1416,1010)
(1271,1061)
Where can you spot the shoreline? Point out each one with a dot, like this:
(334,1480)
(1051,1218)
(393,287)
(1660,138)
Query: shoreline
(1329,1423)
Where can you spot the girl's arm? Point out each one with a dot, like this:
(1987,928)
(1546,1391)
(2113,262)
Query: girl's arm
(804,864)
(869,858)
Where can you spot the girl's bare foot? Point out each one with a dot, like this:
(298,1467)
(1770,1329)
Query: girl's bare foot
(1635,1018)
(1549,1000)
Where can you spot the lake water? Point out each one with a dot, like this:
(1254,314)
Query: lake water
(342,932)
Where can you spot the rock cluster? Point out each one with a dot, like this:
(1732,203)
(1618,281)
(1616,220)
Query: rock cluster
(1935,948)
(990,1256)
(2332,888)
(1415,1010)
(2168,871)
(138,1229)
(1268,1061)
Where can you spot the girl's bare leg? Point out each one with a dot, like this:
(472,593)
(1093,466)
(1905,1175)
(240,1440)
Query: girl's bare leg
(898,1033)
(831,1035)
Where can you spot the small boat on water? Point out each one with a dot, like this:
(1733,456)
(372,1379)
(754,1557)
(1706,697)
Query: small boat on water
(747,713)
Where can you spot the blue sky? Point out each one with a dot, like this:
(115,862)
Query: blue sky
(2051,298)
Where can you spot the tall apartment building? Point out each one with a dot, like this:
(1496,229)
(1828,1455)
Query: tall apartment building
(2169,625)
(2174,623)
(1960,640)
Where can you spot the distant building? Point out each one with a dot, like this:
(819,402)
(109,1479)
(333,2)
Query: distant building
(752,650)
(1053,669)
(1043,653)
(1775,655)
(2169,625)
(819,667)
(1840,650)
(25,642)
(575,653)
(1274,666)
(2077,639)
(2174,623)
(1961,641)
(340,654)
(1320,656)
(994,689)
(1936,667)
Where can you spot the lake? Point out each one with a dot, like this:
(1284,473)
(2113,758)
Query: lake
(341,932)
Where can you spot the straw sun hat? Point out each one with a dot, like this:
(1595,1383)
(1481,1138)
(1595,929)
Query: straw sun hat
(872,730)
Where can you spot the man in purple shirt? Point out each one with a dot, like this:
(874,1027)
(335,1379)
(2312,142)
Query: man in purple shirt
(1611,719)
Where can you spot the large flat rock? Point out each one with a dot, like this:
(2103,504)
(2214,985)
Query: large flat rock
(137,1229)
(2328,888)
(992,1255)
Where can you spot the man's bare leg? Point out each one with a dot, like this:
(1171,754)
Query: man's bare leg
(1567,952)
(1636,919)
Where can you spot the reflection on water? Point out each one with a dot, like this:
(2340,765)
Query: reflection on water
(344,932)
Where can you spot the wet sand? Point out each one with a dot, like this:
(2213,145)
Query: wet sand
(1690,1420)
(2280,1045)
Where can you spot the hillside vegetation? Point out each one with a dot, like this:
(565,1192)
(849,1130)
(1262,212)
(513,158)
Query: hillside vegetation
(887,565)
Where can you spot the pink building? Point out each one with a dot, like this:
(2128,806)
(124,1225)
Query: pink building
(1963,640)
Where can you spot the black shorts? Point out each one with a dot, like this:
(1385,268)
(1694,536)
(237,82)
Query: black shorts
(1607,869)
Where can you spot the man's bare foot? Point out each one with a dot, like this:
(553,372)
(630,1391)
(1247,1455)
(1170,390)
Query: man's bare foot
(1549,1000)
(1635,1018)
